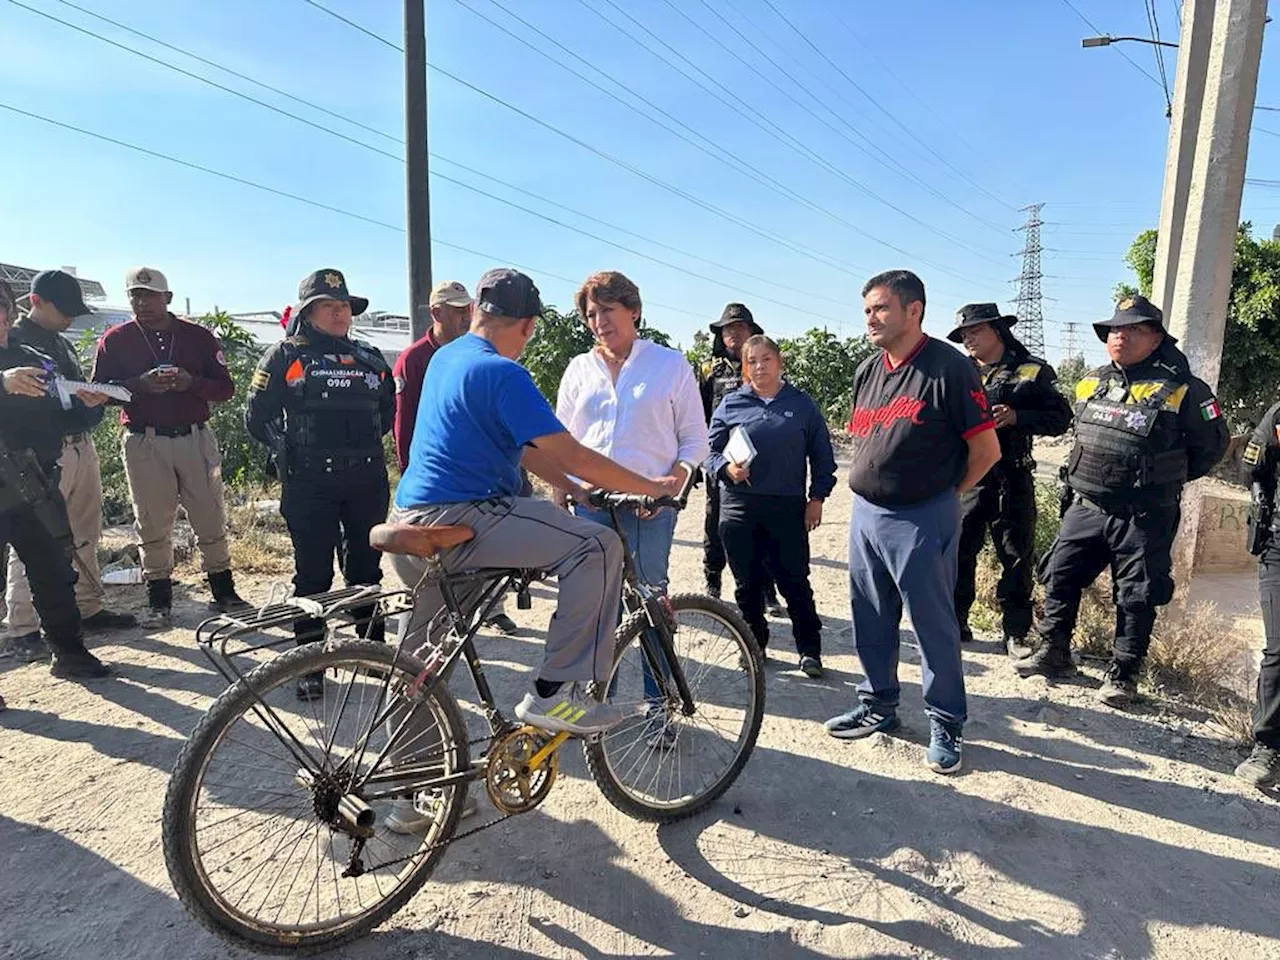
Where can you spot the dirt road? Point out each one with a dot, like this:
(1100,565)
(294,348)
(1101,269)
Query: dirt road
(1077,833)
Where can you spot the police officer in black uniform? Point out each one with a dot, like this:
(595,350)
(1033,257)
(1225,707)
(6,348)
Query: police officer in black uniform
(33,515)
(720,375)
(1262,768)
(1025,403)
(1144,427)
(322,402)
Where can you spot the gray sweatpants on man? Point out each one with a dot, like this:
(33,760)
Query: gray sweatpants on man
(521,532)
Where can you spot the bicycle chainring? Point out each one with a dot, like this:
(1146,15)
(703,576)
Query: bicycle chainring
(511,785)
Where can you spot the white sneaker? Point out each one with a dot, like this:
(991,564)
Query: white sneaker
(569,710)
(416,815)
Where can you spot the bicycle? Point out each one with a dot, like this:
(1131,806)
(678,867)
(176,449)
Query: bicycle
(388,729)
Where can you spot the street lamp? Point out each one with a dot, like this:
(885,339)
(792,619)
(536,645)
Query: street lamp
(1106,41)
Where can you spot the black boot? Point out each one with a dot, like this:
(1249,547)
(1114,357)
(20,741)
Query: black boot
(225,599)
(71,661)
(309,630)
(1047,660)
(159,603)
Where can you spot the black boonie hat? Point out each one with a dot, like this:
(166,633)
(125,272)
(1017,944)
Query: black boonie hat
(737,313)
(972,314)
(328,284)
(505,292)
(1131,311)
(62,290)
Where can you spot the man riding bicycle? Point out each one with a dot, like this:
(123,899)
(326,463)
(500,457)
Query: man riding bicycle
(479,420)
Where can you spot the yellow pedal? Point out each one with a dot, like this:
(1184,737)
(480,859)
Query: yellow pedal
(550,747)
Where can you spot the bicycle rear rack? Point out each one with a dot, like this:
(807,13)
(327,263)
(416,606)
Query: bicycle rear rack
(216,635)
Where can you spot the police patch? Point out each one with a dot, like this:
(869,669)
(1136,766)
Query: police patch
(1252,454)
(399,384)
(260,380)
(1209,410)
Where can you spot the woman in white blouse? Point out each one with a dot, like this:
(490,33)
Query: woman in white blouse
(637,403)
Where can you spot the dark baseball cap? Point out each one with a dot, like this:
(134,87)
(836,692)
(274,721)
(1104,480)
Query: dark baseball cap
(62,290)
(1131,311)
(504,292)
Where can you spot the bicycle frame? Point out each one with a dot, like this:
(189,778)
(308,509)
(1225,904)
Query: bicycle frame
(459,641)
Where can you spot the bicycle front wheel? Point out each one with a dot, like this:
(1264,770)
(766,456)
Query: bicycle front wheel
(664,765)
(260,816)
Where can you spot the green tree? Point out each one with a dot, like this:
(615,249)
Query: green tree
(818,363)
(1069,373)
(557,339)
(1251,347)
(700,352)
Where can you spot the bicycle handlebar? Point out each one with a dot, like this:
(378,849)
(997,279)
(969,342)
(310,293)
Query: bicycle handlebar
(603,499)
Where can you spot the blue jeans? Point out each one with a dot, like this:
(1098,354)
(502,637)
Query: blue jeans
(649,542)
(907,555)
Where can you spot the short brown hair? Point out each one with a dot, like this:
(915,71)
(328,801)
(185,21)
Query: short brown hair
(760,340)
(607,286)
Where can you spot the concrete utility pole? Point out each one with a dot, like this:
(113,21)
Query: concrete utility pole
(417,193)
(1217,79)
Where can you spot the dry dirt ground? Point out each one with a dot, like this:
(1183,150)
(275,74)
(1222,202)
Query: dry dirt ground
(1076,832)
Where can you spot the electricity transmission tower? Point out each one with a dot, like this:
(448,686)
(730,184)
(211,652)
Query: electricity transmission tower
(1070,348)
(1028,304)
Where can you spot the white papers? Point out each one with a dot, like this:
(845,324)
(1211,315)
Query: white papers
(739,450)
(68,388)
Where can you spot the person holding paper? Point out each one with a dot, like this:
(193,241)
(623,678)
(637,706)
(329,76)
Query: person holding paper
(763,436)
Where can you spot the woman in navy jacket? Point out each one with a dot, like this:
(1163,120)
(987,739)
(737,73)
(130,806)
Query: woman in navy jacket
(766,508)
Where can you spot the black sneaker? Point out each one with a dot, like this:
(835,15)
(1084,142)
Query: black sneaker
(1262,768)
(79,665)
(811,666)
(966,635)
(311,687)
(777,610)
(713,589)
(1046,661)
(28,647)
(1119,688)
(109,620)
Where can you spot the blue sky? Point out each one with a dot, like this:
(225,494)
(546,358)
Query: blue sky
(961,114)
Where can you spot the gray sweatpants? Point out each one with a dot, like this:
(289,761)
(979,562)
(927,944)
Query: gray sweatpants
(585,557)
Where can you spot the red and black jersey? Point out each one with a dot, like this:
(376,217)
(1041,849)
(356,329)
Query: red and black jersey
(911,424)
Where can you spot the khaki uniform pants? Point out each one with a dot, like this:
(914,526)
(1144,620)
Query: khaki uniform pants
(164,472)
(81,486)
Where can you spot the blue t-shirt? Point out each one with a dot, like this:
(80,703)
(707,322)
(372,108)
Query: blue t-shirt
(477,412)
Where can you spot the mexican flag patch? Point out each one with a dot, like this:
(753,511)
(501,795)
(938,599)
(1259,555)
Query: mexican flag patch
(1209,410)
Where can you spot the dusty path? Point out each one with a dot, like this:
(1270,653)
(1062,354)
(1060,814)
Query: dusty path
(1077,832)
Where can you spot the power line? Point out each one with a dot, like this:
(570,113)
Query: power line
(815,255)
(1153,21)
(824,259)
(787,139)
(242,181)
(511,186)
(1092,26)
(876,103)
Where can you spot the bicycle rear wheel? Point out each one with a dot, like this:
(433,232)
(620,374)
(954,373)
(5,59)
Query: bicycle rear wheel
(664,766)
(254,834)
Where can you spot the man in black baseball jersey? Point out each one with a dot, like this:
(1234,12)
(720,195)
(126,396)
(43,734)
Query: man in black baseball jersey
(923,434)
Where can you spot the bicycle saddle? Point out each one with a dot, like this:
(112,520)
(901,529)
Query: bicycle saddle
(417,540)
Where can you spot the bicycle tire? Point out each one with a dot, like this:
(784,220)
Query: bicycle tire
(594,750)
(179,839)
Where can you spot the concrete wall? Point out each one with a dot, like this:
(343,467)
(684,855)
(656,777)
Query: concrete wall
(1220,546)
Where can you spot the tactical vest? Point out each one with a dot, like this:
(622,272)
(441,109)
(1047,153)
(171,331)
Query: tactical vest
(1015,444)
(333,400)
(1127,437)
(725,377)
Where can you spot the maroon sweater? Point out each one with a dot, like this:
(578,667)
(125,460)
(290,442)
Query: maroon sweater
(127,351)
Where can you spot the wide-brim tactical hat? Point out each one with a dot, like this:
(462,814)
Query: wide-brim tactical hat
(737,313)
(328,284)
(1129,312)
(973,314)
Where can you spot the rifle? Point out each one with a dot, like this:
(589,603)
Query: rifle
(1065,494)
(24,484)
(1261,512)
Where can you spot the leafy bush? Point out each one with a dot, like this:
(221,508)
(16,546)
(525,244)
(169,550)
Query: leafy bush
(823,367)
